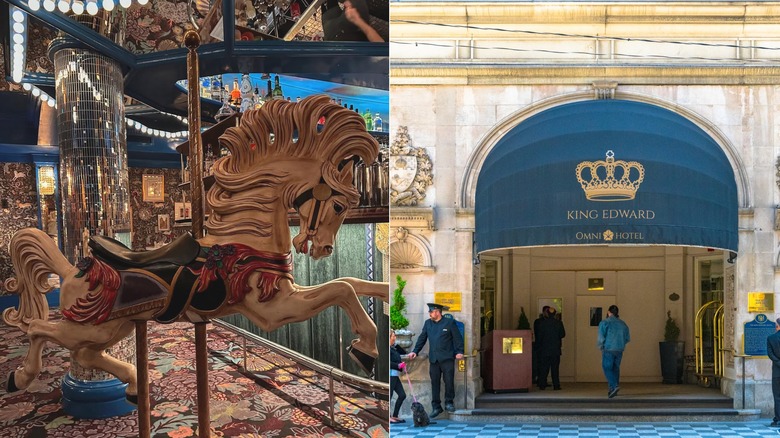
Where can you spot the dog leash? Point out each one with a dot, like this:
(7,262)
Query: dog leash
(411,389)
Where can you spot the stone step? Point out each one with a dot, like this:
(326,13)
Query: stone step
(611,414)
(610,403)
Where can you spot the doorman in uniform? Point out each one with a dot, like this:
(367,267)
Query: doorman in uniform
(446,346)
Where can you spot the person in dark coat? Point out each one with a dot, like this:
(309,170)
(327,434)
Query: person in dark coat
(535,347)
(396,368)
(446,346)
(549,334)
(773,351)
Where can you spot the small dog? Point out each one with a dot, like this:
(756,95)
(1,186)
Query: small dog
(419,415)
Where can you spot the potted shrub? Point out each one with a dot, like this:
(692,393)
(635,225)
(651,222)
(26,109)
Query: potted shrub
(672,352)
(398,321)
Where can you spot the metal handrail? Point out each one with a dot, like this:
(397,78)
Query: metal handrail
(334,373)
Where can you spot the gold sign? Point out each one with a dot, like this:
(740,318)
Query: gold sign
(595,284)
(761,302)
(449,299)
(512,346)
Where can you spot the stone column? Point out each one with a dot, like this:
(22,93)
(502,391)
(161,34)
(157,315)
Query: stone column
(94,188)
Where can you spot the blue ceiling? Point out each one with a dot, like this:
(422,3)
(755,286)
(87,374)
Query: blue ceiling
(358,69)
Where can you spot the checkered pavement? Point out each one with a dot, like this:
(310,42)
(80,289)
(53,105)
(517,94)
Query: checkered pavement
(450,429)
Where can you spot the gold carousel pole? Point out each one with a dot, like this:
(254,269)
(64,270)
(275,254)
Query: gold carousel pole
(192,41)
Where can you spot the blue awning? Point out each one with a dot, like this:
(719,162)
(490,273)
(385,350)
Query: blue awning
(667,182)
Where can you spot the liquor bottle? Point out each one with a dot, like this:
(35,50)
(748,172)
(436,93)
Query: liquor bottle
(269,94)
(298,99)
(247,96)
(277,93)
(259,98)
(368,119)
(208,162)
(185,174)
(216,88)
(377,123)
(235,95)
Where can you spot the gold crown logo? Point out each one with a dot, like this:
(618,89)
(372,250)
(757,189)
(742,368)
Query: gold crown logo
(610,180)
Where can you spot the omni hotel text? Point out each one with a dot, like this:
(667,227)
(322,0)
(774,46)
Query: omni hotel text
(610,214)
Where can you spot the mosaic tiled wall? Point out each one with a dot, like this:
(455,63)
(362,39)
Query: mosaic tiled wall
(146,215)
(18,209)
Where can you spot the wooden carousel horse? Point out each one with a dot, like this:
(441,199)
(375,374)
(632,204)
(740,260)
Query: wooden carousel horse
(279,159)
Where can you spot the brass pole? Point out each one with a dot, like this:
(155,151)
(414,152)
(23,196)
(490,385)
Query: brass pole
(192,41)
(202,378)
(142,382)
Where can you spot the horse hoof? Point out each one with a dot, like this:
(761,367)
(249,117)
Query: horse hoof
(132,399)
(11,385)
(364,361)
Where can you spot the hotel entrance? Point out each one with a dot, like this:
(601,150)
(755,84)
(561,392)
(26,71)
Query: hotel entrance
(596,203)
(644,282)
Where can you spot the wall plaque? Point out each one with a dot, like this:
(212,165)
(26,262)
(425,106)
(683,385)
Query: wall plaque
(449,299)
(761,302)
(756,332)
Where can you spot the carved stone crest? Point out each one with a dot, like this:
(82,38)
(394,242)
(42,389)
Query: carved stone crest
(410,171)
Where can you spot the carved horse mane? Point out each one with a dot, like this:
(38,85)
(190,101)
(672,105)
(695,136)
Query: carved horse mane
(281,129)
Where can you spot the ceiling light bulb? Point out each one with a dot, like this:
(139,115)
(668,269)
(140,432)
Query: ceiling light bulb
(18,27)
(17,76)
(143,2)
(108,5)
(18,38)
(27,86)
(18,16)
(78,7)
(49,5)
(44,97)
(63,6)
(125,3)
(51,103)
(36,92)
(92,7)
(34,4)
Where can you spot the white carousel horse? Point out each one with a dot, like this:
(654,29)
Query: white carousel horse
(279,160)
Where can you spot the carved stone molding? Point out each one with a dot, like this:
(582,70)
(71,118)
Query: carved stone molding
(409,252)
(605,89)
(410,170)
(420,218)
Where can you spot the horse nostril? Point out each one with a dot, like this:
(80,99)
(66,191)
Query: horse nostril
(328,249)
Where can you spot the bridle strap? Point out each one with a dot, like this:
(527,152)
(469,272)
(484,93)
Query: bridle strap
(321,192)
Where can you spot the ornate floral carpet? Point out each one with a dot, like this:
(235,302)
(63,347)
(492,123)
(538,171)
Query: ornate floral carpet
(276,398)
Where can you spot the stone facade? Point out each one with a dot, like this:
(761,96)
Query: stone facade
(458,85)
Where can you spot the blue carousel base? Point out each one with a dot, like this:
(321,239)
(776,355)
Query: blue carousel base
(94,399)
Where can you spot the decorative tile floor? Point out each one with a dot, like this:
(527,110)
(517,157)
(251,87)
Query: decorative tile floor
(449,429)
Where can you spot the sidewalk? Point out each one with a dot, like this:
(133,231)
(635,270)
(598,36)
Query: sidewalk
(450,429)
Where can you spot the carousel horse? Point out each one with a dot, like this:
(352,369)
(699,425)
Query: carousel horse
(280,159)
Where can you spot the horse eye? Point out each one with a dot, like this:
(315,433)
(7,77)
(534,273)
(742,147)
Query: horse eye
(338,207)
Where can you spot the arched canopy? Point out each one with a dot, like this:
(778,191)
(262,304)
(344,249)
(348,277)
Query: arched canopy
(668,182)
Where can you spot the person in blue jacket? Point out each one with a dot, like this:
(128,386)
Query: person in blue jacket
(613,337)
(446,346)
(773,351)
